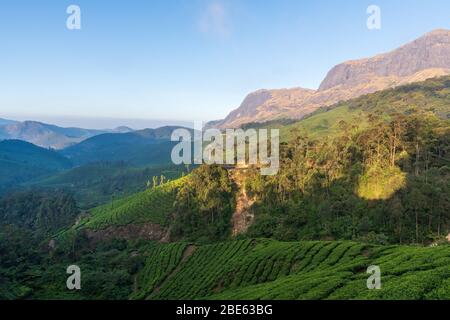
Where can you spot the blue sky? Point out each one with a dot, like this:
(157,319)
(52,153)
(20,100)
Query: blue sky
(185,59)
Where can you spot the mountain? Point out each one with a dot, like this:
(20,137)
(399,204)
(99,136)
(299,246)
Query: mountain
(47,135)
(122,129)
(137,148)
(265,105)
(21,161)
(424,58)
(6,121)
(113,157)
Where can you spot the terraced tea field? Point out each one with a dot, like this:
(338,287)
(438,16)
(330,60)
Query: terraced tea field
(267,269)
(152,206)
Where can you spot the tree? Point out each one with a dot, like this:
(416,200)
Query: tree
(204,205)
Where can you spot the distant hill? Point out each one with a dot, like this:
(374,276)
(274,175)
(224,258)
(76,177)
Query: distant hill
(47,135)
(424,58)
(94,184)
(105,164)
(138,148)
(6,121)
(21,161)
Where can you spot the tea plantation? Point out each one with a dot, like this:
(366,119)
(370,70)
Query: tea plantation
(268,269)
(152,206)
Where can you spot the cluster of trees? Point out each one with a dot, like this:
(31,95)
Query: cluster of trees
(18,252)
(29,271)
(157,181)
(26,220)
(40,212)
(388,184)
(204,205)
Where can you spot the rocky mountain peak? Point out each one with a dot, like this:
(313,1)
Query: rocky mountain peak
(424,58)
(431,51)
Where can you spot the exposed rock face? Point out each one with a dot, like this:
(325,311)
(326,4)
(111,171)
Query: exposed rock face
(266,105)
(243,217)
(431,51)
(424,58)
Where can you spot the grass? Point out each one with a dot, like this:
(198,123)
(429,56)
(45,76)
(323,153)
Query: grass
(431,95)
(325,124)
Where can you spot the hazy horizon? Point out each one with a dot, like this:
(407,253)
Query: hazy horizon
(99,123)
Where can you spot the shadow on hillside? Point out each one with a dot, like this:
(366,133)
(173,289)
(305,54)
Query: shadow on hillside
(405,203)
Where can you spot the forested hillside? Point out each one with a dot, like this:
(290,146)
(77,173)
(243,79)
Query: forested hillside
(95,184)
(21,161)
(377,169)
(40,212)
(389,183)
(137,148)
(382,176)
(431,96)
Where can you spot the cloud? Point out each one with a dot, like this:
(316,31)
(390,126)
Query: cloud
(215,19)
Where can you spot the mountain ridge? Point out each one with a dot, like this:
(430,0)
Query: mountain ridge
(48,135)
(21,161)
(141,147)
(424,58)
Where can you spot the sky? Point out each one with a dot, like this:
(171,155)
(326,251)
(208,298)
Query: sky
(184,60)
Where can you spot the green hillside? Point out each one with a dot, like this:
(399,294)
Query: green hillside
(267,269)
(252,269)
(137,148)
(152,205)
(94,184)
(325,123)
(21,161)
(429,96)
(372,169)
(338,271)
(41,212)
(360,184)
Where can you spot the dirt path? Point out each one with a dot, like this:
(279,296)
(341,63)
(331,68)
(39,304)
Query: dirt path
(242,218)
